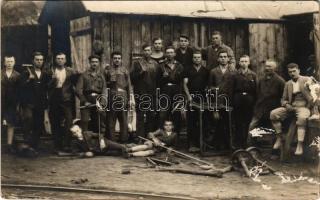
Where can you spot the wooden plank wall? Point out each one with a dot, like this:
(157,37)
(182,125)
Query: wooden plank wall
(268,41)
(80,43)
(128,33)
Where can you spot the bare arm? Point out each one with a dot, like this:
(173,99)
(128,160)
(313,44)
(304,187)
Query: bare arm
(186,89)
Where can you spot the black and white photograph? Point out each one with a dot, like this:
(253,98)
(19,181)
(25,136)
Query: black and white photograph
(164,99)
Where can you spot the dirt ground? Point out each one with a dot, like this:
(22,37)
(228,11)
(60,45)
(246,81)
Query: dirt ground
(104,172)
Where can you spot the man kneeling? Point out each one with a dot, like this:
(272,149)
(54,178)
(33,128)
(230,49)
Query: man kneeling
(165,137)
(295,101)
(89,144)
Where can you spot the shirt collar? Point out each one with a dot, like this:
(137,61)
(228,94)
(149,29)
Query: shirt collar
(194,66)
(241,71)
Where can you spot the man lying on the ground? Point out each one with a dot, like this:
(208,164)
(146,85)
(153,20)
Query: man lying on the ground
(88,144)
(161,137)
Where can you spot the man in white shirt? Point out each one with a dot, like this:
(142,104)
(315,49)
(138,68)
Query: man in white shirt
(61,102)
(296,101)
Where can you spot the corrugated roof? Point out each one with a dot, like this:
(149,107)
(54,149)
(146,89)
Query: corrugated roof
(263,10)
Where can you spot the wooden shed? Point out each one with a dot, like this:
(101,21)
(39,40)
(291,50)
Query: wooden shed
(260,29)
(21,33)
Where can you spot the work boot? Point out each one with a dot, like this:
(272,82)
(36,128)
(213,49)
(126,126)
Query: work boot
(275,154)
(299,149)
(30,153)
(126,154)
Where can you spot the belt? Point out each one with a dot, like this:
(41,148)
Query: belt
(93,94)
(243,93)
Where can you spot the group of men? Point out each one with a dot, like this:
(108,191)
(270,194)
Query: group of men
(159,86)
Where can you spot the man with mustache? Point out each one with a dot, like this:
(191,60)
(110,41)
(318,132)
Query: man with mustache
(296,101)
(269,92)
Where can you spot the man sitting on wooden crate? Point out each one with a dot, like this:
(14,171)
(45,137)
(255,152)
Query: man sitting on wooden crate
(296,100)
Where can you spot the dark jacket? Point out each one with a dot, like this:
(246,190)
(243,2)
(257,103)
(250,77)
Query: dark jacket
(143,76)
(186,58)
(9,89)
(34,92)
(88,84)
(210,54)
(269,93)
(222,81)
(244,88)
(67,87)
(169,140)
(168,76)
(288,92)
(90,142)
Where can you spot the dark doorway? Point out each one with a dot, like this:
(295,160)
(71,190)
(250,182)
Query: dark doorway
(300,42)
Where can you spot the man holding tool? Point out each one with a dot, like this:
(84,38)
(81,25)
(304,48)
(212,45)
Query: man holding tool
(159,138)
(90,86)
